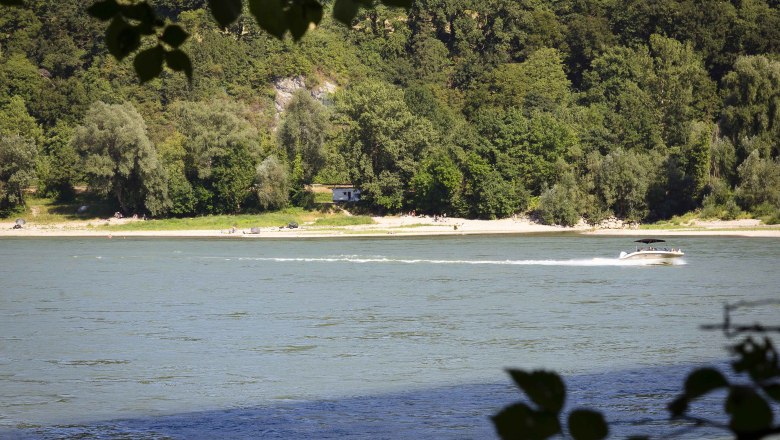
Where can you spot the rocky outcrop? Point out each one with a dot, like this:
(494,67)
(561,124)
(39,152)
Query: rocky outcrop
(285,88)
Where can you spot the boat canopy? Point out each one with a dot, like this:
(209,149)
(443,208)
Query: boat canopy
(649,240)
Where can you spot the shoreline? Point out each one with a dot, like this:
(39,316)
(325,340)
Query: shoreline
(394,226)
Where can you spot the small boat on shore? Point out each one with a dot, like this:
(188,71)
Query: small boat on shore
(651,252)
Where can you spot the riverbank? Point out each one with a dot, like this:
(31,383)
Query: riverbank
(381,226)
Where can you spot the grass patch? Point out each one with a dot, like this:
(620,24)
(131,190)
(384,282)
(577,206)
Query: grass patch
(43,210)
(323,197)
(210,222)
(344,220)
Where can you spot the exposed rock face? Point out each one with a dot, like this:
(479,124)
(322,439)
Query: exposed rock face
(286,87)
(323,92)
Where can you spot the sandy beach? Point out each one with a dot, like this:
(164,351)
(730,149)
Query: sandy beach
(390,226)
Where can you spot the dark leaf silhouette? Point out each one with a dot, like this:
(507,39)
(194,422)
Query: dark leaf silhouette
(702,381)
(398,3)
(122,39)
(301,15)
(544,388)
(270,16)
(148,63)
(519,421)
(104,10)
(345,10)
(178,61)
(749,411)
(174,35)
(225,11)
(585,424)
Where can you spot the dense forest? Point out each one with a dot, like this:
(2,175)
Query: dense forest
(566,109)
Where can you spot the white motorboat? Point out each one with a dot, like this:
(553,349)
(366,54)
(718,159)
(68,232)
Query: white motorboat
(650,251)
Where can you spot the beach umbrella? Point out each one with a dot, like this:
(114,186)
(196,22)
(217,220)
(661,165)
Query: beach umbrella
(20,221)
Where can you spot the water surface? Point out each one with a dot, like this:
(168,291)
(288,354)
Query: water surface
(364,338)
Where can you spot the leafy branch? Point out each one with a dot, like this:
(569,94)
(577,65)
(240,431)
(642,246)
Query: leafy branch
(748,405)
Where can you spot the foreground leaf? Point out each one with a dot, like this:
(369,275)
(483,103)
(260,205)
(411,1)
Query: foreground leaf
(225,11)
(174,35)
(585,424)
(519,422)
(104,10)
(122,39)
(702,381)
(544,388)
(178,61)
(345,10)
(270,16)
(148,64)
(398,3)
(749,411)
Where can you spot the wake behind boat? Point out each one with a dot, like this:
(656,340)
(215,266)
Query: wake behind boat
(649,252)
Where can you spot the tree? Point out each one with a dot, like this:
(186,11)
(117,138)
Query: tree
(59,168)
(271,184)
(759,181)
(120,159)
(486,194)
(180,191)
(302,133)
(538,83)
(221,149)
(17,171)
(622,179)
(437,184)
(751,109)
(130,23)
(561,204)
(14,118)
(383,143)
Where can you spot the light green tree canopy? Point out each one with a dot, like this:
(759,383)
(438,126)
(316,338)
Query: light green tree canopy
(120,159)
(271,184)
(17,170)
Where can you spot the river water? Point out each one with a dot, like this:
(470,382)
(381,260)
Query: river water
(353,338)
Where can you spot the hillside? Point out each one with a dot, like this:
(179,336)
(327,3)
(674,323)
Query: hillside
(475,109)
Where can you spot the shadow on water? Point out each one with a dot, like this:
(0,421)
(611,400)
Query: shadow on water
(633,402)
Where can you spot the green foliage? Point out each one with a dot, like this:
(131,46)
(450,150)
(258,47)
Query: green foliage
(119,159)
(759,181)
(59,168)
(720,202)
(437,184)
(17,171)
(751,92)
(486,194)
(14,118)
(561,204)
(271,184)
(526,86)
(129,24)
(622,180)
(302,133)
(383,142)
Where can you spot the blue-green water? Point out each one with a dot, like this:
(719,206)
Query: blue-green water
(361,338)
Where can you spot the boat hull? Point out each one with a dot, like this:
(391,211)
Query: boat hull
(651,255)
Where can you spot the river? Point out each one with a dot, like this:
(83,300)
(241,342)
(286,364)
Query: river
(352,338)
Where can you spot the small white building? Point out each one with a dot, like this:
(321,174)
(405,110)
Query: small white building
(346,194)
